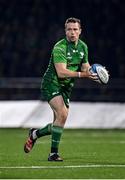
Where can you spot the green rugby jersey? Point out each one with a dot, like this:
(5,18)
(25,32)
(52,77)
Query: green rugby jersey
(65,52)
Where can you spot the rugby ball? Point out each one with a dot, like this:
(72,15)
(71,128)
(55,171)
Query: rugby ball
(101,71)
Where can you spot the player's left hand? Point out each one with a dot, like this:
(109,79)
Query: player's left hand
(92,75)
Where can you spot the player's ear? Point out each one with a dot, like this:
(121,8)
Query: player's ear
(80,31)
(65,30)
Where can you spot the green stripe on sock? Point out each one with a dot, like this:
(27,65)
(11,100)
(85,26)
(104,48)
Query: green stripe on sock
(56,136)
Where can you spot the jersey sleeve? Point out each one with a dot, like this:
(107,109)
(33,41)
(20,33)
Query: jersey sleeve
(59,55)
(85,58)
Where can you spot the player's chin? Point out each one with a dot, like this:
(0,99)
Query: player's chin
(73,39)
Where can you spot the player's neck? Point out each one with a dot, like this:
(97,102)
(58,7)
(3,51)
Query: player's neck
(72,42)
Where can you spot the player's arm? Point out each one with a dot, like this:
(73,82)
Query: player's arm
(63,72)
(85,67)
(60,63)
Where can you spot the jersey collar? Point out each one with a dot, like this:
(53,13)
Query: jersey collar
(72,44)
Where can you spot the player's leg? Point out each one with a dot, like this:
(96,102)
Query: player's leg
(61,112)
(37,133)
(34,134)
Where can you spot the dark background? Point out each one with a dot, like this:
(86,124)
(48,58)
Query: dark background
(30,28)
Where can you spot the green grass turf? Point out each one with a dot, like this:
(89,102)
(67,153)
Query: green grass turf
(78,147)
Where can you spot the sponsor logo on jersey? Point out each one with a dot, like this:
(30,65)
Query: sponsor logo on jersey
(69,55)
(54,93)
(81,54)
(74,51)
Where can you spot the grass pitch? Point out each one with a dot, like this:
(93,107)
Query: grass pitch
(87,154)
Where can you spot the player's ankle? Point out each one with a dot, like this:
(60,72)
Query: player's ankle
(34,135)
(54,150)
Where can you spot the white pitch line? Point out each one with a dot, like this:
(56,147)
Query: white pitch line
(62,167)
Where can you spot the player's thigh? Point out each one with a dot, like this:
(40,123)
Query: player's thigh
(58,105)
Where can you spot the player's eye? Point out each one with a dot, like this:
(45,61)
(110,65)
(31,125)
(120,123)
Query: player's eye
(75,29)
(69,29)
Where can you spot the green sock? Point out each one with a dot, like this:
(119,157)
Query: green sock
(56,136)
(44,131)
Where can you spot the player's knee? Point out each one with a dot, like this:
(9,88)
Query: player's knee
(63,115)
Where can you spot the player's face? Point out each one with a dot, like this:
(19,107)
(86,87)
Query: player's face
(73,31)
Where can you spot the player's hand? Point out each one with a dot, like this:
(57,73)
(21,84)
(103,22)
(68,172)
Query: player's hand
(91,75)
(88,74)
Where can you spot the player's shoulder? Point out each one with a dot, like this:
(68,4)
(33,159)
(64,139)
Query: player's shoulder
(60,45)
(82,43)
